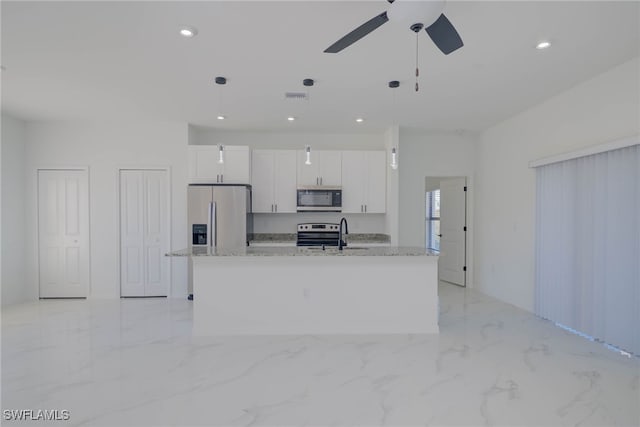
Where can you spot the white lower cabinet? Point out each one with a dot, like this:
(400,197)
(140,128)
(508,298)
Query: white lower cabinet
(364,182)
(273,181)
(205,167)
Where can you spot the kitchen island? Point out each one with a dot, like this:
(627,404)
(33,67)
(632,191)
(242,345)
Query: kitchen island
(291,290)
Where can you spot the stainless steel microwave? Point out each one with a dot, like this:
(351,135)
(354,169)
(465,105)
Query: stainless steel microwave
(319,199)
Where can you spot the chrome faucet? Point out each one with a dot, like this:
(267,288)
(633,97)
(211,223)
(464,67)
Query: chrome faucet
(341,242)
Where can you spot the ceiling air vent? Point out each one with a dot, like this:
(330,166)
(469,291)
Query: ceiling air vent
(303,96)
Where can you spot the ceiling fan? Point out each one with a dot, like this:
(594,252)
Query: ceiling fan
(418,15)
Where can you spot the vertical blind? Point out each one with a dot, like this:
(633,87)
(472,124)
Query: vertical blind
(588,245)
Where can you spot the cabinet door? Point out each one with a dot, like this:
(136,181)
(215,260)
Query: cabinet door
(353,181)
(262,181)
(236,167)
(376,182)
(285,181)
(308,174)
(203,164)
(330,167)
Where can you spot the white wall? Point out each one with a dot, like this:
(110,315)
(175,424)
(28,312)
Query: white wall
(13,211)
(602,109)
(423,154)
(104,147)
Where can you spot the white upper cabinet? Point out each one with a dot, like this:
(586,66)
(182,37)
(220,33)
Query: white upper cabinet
(204,167)
(364,182)
(273,181)
(325,168)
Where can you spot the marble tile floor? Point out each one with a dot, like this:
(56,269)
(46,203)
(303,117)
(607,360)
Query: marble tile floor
(134,363)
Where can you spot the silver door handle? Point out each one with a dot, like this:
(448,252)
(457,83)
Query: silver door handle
(221,177)
(218,178)
(320,180)
(209,214)
(276,207)
(361,208)
(365,208)
(213,222)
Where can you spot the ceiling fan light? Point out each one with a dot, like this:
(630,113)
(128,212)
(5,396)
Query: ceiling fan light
(412,12)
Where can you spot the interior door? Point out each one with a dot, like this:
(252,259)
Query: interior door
(144,233)
(63,233)
(451,264)
(156,233)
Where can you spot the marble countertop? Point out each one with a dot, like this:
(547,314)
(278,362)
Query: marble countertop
(303,251)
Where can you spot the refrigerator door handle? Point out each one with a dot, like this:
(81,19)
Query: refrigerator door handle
(213,221)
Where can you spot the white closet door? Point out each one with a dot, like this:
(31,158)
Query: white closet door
(451,264)
(156,233)
(144,233)
(63,233)
(131,233)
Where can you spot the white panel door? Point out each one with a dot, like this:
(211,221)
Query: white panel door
(131,233)
(156,233)
(451,264)
(144,233)
(63,233)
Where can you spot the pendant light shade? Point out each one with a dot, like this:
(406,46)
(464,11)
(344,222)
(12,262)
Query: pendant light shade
(308,155)
(220,154)
(394,159)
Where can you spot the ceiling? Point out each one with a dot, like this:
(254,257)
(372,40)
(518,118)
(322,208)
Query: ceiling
(126,60)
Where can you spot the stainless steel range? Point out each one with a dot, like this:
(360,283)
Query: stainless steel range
(318,234)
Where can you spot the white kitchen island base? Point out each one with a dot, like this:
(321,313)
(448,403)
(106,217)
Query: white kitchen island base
(238,295)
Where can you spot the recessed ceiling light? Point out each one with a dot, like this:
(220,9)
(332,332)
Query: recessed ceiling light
(359,120)
(188,32)
(221,117)
(291,118)
(543,45)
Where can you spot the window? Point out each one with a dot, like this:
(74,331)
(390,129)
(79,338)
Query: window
(433,220)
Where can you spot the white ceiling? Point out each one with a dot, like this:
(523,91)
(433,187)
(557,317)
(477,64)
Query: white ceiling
(125,60)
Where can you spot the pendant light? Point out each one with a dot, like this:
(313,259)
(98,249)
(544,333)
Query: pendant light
(394,84)
(220,153)
(307,151)
(394,159)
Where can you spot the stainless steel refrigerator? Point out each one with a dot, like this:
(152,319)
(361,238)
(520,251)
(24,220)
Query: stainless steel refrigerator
(219,216)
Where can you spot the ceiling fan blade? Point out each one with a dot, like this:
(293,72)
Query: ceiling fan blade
(358,33)
(444,35)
